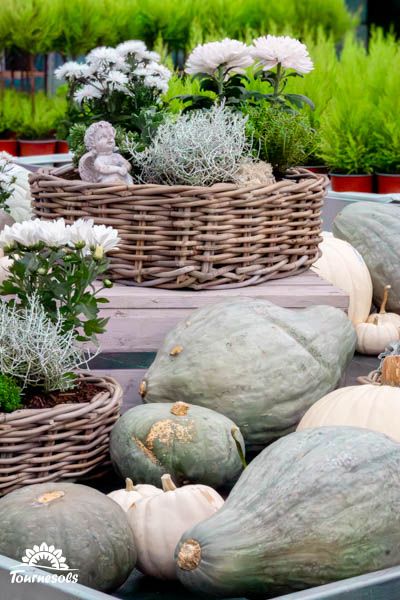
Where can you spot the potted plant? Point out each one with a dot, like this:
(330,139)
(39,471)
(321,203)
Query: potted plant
(9,113)
(387,140)
(57,416)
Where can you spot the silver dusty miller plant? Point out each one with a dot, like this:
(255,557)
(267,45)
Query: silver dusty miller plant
(34,350)
(198,148)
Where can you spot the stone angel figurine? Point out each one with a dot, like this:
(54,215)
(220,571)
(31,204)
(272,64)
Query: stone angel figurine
(102,164)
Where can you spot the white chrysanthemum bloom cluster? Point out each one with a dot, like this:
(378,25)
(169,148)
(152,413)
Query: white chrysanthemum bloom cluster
(15,194)
(107,70)
(199,148)
(290,53)
(233,56)
(56,234)
(34,350)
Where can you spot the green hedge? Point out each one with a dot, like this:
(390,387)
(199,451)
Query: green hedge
(73,27)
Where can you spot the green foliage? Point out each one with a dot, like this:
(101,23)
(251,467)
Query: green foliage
(284,139)
(75,26)
(17,114)
(10,394)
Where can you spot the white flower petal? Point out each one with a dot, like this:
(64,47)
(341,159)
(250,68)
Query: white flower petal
(231,54)
(270,50)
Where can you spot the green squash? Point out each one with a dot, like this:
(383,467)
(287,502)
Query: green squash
(90,530)
(260,365)
(191,443)
(374,230)
(314,507)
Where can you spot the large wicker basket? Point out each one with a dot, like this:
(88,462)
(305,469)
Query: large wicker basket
(67,441)
(196,237)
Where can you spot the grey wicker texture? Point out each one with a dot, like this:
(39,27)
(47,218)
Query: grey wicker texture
(67,441)
(222,236)
(373,378)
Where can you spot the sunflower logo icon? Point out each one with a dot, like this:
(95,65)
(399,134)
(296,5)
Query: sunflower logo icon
(44,556)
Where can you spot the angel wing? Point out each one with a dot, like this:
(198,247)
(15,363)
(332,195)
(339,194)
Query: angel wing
(87,169)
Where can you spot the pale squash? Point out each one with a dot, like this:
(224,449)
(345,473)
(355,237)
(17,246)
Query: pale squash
(373,229)
(373,337)
(131,493)
(260,365)
(375,407)
(159,522)
(191,443)
(91,530)
(343,266)
(383,317)
(316,506)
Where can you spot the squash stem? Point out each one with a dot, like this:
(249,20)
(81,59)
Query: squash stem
(239,447)
(167,483)
(129,487)
(386,289)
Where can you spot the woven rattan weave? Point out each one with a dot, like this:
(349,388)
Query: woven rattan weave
(64,442)
(196,237)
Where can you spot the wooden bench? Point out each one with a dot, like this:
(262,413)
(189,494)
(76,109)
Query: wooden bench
(141,317)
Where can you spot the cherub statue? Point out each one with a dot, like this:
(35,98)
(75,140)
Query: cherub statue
(102,164)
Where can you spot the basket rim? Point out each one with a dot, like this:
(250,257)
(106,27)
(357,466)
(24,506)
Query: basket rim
(57,175)
(8,419)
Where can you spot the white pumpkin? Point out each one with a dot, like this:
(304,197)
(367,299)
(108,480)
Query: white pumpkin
(133,493)
(382,317)
(344,267)
(375,407)
(372,338)
(159,522)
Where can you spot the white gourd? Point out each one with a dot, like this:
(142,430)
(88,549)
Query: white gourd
(382,317)
(344,267)
(159,522)
(133,493)
(372,337)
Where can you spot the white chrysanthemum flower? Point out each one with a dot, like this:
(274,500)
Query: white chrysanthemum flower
(105,237)
(80,232)
(87,92)
(157,83)
(104,55)
(117,80)
(290,53)
(54,234)
(131,47)
(26,234)
(72,70)
(232,55)
(155,68)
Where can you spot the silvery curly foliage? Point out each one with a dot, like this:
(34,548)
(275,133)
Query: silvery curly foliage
(34,351)
(198,148)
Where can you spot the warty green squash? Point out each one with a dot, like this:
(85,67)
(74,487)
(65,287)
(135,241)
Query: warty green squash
(191,443)
(259,364)
(374,230)
(314,507)
(90,529)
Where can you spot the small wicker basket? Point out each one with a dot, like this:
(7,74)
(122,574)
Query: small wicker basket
(67,441)
(222,236)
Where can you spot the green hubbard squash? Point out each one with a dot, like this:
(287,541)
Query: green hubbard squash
(374,230)
(90,529)
(315,507)
(260,365)
(191,443)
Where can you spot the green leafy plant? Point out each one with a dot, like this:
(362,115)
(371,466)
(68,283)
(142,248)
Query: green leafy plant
(284,139)
(43,121)
(10,394)
(59,265)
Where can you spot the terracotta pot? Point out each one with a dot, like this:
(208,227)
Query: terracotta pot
(352,183)
(388,184)
(317,169)
(62,147)
(10,146)
(36,147)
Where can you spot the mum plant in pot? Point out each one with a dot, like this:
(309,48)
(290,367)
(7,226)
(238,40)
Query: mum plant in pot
(203,153)
(57,416)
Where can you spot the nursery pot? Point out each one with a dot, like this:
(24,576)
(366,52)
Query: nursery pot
(36,147)
(10,146)
(62,147)
(388,184)
(352,183)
